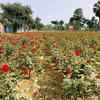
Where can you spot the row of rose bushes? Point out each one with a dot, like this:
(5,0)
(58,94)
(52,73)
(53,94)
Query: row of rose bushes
(17,58)
(74,54)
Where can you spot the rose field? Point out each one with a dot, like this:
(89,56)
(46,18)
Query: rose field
(50,66)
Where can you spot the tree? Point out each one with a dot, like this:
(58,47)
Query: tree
(18,15)
(55,23)
(58,25)
(48,27)
(96,10)
(38,24)
(77,19)
(78,14)
(92,24)
(61,23)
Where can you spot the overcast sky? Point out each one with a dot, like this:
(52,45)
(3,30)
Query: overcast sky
(49,10)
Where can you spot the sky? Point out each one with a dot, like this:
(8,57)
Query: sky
(49,10)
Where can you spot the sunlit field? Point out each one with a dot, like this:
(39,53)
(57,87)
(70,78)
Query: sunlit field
(50,66)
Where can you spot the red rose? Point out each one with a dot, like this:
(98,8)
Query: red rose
(1,48)
(0,68)
(23,46)
(1,41)
(65,54)
(26,72)
(5,68)
(34,50)
(38,46)
(77,52)
(94,52)
(32,43)
(68,71)
(14,44)
(58,62)
(41,41)
(36,93)
(89,61)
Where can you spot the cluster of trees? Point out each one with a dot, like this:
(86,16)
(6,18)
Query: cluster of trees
(16,16)
(81,23)
(78,21)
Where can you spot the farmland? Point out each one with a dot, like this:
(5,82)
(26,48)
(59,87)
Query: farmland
(50,66)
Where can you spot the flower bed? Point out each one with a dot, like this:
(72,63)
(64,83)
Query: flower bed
(50,66)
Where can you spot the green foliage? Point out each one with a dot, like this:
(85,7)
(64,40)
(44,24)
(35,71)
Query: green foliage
(38,24)
(92,24)
(58,25)
(77,19)
(18,15)
(96,10)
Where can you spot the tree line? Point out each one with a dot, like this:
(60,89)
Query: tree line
(18,17)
